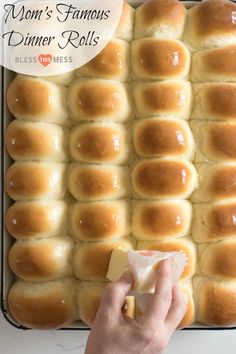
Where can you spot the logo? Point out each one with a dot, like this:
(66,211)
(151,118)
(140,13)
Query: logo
(45,59)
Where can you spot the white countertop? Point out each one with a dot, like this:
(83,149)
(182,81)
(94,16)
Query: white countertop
(14,341)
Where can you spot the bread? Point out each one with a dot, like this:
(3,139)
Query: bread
(89,297)
(215,101)
(99,221)
(163,137)
(37,219)
(61,79)
(91,260)
(36,180)
(36,141)
(48,305)
(112,63)
(185,245)
(217,260)
(101,143)
(164,179)
(161,220)
(42,260)
(125,27)
(164,99)
(214,222)
(211,24)
(98,100)
(215,301)
(218,64)
(216,182)
(94,183)
(35,99)
(160,19)
(159,59)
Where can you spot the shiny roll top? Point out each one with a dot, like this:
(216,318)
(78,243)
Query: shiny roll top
(168,98)
(160,19)
(35,99)
(211,24)
(99,221)
(98,100)
(101,143)
(159,59)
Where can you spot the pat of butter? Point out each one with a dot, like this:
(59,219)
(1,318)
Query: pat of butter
(118,264)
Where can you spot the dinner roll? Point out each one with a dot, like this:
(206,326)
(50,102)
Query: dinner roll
(185,245)
(91,260)
(36,99)
(157,137)
(99,221)
(100,143)
(93,183)
(160,19)
(215,101)
(211,23)
(164,179)
(42,260)
(97,99)
(112,62)
(47,305)
(160,59)
(217,260)
(215,140)
(37,219)
(214,222)
(125,28)
(215,301)
(165,99)
(36,180)
(36,141)
(161,220)
(216,182)
(215,65)
(61,79)
(89,297)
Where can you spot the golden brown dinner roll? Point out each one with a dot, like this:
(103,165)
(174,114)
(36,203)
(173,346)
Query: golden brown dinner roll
(217,260)
(113,62)
(36,180)
(210,24)
(164,98)
(99,221)
(160,19)
(125,28)
(157,137)
(160,59)
(47,305)
(91,260)
(215,301)
(185,245)
(214,222)
(36,141)
(216,141)
(89,297)
(216,182)
(164,179)
(42,260)
(215,101)
(61,79)
(100,143)
(28,220)
(161,220)
(215,65)
(98,100)
(35,99)
(93,182)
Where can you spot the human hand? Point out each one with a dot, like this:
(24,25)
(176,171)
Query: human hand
(114,333)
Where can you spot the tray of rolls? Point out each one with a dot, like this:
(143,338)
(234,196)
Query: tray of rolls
(136,149)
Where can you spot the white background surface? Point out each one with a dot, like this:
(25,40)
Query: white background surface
(13,341)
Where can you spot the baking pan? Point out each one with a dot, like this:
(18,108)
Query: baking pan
(6,241)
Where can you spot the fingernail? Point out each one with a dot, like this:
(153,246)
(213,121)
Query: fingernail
(127,277)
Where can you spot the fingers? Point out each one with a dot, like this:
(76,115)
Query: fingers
(177,309)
